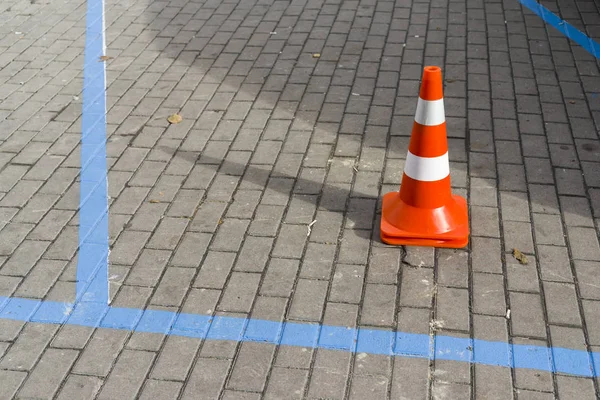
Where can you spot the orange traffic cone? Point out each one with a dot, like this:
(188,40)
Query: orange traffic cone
(424,212)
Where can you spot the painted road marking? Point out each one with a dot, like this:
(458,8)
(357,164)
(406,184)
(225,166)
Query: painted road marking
(91,303)
(92,261)
(361,340)
(589,44)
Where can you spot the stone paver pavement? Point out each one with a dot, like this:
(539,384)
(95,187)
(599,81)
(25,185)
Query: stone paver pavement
(294,112)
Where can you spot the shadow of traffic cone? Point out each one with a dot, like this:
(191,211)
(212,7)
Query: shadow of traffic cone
(424,212)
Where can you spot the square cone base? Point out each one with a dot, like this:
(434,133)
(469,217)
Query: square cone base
(456,238)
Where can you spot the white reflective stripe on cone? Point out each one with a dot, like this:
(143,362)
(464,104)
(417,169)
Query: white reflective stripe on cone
(430,113)
(428,169)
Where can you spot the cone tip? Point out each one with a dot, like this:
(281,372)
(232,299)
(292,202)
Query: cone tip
(431,85)
(433,68)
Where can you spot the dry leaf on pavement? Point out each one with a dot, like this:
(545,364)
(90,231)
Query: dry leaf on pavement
(175,119)
(520,256)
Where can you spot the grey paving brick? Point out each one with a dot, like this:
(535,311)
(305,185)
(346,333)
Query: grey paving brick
(383,265)
(148,268)
(327,227)
(173,286)
(308,300)
(11,382)
(28,347)
(128,247)
(590,314)
(99,354)
(41,278)
(191,250)
(46,378)
(129,200)
(452,308)
(280,277)
(354,247)
(175,359)
(543,199)
(165,189)
(244,204)
(51,225)
(234,394)
(364,386)
(330,373)
(24,258)
(569,181)
(554,263)
(207,378)
(80,387)
(230,235)
(12,235)
(154,389)
(532,395)
(347,284)
(286,382)
(131,159)
(514,206)
(215,269)
(222,188)
(572,387)
(522,277)
(587,279)
(11,175)
(72,336)
(561,303)
(538,170)
(251,367)
(492,382)
(526,315)
(6,215)
(127,375)
(254,254)
(168,234)
(583,243)
(485,221)
(409,378)
(147,217)
(239,292)
(8,285)
(290,241)
(277,191)
(147,174)
(452,267)
(318,261)
(488,294)
(37,207)
(548,229)
(208,216)
(379,305)
(517,235)
(417,287)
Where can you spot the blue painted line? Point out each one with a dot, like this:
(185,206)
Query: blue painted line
(589,44)
(371,341)
(92,262)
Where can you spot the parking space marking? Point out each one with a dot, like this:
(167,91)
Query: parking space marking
(361,340)
(92,262)
(90,307)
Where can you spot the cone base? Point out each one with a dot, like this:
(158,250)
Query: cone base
(402,224)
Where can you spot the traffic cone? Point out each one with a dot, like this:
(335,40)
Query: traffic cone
(425,212)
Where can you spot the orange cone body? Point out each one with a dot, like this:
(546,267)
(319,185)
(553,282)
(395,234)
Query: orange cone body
(425,212)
